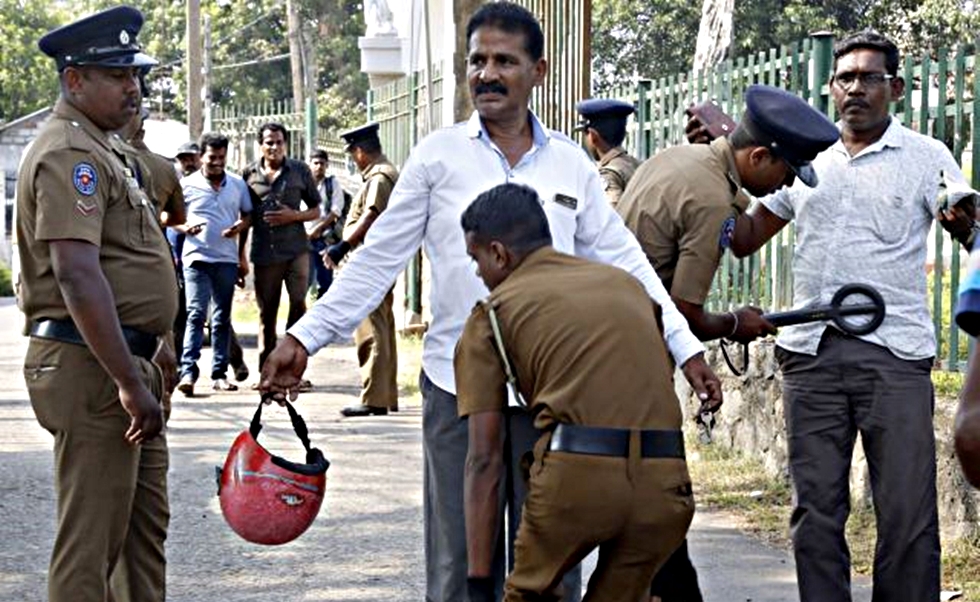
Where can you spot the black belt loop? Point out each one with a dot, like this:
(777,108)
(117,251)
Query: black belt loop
(577,439)
(141,344)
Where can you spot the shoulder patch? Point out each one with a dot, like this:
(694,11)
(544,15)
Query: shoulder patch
(85,178)
(727,233)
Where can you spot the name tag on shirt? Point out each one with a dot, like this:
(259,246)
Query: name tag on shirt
(566,201)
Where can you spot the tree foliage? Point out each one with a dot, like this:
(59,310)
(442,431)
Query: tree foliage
(658,38)
(242,31)
(27,79)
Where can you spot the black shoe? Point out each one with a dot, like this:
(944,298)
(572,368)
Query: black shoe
(357,411)
(241,373)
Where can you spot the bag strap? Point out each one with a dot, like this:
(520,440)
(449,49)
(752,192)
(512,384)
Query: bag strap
(502,351)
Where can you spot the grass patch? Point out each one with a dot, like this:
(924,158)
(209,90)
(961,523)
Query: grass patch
(725,479)
(409,367)
(6,282)
(948,384)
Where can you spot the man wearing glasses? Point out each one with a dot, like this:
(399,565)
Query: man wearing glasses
(867,221)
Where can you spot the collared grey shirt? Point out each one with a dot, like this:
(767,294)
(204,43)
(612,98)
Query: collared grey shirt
(867,222)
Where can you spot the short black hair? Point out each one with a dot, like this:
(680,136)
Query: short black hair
(370,145)
(511,18)
(213,140)
(273,126)
(741,137)
(320,154)
(871,40)
(511,214)
(613,131)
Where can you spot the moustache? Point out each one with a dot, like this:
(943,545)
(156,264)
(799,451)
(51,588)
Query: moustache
(490,88)
(856,103)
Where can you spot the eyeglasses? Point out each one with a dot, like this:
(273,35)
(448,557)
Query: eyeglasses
(846,80)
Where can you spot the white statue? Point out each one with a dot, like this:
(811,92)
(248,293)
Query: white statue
(379,19)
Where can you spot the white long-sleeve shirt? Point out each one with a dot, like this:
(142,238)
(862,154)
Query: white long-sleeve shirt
(443,175)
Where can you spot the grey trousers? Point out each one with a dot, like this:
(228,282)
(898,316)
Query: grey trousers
(851,387)
(444,446)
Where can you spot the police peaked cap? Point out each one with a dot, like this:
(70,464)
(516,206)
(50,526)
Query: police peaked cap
(105,39)
(360,134)
(595,110)
(789,127)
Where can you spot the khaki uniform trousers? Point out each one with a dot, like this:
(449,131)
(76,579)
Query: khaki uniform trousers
(635,510)
(112,498)
(377,355)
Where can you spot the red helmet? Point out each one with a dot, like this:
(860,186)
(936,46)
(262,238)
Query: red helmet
(267,499)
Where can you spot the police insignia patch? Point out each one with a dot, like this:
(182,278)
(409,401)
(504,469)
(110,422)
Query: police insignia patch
(727,232)
(85,178)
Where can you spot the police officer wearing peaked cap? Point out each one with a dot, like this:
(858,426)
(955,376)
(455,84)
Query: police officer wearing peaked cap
(375,336)
(604,124)
(789,127)
(99,292)
(684,205)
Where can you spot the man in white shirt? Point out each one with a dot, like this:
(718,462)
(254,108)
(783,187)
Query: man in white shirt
(502,142)
(867,221)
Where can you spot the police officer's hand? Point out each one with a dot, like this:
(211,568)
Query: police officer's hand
(337,252)
(283,370)
(166,359)
(697,132)
(704,382)
(145,412)
(751,325)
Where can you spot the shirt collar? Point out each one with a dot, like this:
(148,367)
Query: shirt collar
(539,134)
(725,154)
(616,151)
(374,164)
(893,137)
(69,113)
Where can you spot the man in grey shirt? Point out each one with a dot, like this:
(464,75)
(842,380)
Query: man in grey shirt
(867,221)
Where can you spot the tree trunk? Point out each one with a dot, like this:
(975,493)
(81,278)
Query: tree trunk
(462,105)
(714,33)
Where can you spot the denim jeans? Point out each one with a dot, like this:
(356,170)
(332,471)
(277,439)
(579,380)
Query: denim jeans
(319,273)
(206,281)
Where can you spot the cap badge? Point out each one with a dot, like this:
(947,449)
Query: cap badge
(124,37)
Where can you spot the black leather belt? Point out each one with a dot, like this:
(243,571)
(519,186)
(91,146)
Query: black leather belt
(142,344)
(576,439)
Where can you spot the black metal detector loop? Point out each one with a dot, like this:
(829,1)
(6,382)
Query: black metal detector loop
(837,312)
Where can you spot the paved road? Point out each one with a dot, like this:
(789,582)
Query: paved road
(366,544)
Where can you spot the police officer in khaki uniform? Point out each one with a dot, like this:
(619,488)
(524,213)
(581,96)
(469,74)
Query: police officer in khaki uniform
(375,337)
(684,205)
(98,292)
(609,470)
(604,124)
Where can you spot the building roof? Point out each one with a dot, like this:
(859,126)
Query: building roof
(25,119)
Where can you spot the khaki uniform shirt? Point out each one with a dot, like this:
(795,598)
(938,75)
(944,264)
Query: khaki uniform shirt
(159,179)
(585,342)
(616,168)
(682,207)
(379,181)
(74,183)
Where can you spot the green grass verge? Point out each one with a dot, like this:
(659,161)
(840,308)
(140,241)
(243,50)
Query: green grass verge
(409,366)
(726,479)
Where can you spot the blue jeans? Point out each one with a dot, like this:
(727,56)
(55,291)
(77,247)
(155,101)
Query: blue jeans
(206,281)
(319,272)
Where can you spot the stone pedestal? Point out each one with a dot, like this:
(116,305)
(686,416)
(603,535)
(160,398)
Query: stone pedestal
(383,58)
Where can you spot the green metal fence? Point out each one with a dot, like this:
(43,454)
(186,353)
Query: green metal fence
(939,102)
